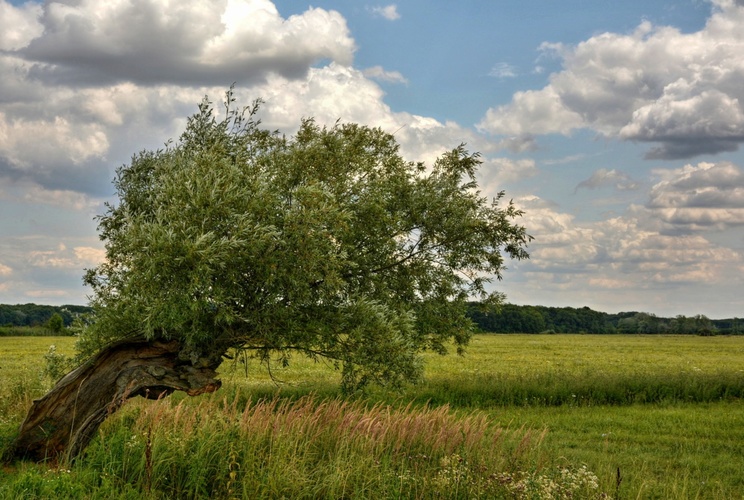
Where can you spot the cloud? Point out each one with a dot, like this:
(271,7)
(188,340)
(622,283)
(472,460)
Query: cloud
(503,70)
(47,295)
(565,159)
(336,92)
(625,248)
(72,140)
(496,172)
(708,195)
(389,12)
(19,25)
(679,91)
(659,259)
(66,199)
(89,256)
(84,84)
(200,42)
(330,93)
(560,244)
(622,263)
(72,111)
(532,113)
(5,270)
(380,74)
(44,267)
(604,177)
(31,142)
(519,144)
(688,124)
(652,250)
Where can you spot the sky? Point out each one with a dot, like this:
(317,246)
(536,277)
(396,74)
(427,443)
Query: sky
(616,126)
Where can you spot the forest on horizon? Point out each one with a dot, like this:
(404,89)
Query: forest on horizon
(509,318)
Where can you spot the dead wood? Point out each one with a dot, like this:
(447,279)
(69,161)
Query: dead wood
(63,422)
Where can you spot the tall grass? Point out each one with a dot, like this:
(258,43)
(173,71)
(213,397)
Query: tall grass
(305,448)
(586,389)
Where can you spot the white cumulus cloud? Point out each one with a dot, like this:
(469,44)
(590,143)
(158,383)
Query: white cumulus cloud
(699,196)
(681,92)
(622,260)
(381,74)
(389,12)
(19,25)
(197,42)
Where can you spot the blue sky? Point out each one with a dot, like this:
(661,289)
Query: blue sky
(616,126)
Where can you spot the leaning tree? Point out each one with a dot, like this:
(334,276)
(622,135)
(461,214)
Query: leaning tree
(237,239)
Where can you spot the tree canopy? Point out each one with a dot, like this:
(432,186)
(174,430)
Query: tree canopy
(327,242)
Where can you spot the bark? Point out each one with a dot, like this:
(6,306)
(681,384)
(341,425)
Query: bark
(62,423)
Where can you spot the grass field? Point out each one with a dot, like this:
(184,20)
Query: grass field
(517,417)
(26,331)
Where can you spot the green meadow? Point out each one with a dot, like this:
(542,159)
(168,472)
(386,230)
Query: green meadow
(518,416)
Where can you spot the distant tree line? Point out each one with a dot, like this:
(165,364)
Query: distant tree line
(510,318)
(38,315)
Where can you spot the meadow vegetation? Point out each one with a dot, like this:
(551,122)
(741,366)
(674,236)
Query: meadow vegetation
(27,331)
(518,416)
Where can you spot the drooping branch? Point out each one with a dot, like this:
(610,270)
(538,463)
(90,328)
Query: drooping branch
(65,420)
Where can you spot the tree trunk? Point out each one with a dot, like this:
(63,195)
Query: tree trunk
(63,422)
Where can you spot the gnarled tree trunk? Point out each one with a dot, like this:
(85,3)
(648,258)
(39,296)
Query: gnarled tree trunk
(63,422)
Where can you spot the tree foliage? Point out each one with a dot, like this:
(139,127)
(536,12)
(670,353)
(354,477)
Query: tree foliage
(37,315)
(56,323)
(510,318)
(327,243)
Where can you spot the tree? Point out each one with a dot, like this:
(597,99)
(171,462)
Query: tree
(628,325)
(56,323)
(704,326)
(327,243)
(683,324)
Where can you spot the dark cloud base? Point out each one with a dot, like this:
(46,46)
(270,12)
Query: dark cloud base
(692,147)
